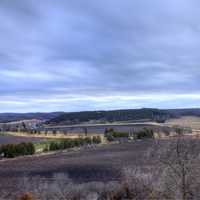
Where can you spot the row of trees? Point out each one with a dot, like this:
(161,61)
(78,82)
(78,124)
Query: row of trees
(111,135)
(14,150)
(22,149)
(70,143)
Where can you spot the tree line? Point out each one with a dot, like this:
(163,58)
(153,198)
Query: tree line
(70,143)
(109,116)
(110,134)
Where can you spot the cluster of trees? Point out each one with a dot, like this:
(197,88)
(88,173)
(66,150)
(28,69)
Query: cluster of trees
(110,116)
(145,133)
(182,130)
(70,143)
(22,149)
(110,134)
(14,150)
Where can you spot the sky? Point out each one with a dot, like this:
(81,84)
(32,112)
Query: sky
(80,55)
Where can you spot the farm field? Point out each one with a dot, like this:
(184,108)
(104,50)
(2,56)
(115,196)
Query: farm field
(100,128)
(10,139)
(104,163)
(187,121)
(88,166)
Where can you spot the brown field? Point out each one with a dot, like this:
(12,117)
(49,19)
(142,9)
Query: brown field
(187,121)
(9,139)
(103,163)
(75,131)
(92,165)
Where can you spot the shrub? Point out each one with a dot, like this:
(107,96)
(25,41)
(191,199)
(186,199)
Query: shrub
(96,140)
(145,133)
(77,142)
(120,134)
(46,148)
(54,146)
(9,151)
(68,143)
(14,150)
(88,140)
(108,130)
(109,137)
(110,134)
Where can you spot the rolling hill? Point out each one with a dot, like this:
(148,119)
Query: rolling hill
(144,114)
(10,117)
(60,118)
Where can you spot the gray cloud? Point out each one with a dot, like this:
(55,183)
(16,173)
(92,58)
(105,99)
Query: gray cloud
(54,53)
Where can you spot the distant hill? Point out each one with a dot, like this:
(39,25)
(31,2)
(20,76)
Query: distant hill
(11,117)
(145,114)
(159,115)
(174,113)
(63,118)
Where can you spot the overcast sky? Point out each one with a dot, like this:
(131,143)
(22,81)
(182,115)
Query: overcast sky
(77,55)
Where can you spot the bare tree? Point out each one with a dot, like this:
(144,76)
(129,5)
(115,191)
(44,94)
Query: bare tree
(180,161)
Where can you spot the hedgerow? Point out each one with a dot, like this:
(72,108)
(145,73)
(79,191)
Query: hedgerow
(110,134)
(70,143)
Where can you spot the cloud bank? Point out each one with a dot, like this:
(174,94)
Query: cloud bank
(90,55)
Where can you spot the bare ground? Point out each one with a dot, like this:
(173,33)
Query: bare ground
(104,163)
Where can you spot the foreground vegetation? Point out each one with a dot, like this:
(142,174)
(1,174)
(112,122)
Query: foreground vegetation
(29,148)
(14,150)
(53,145)
(22,149)
(159,171)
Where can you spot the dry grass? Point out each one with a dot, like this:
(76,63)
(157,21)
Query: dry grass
(187,121)
(53,136)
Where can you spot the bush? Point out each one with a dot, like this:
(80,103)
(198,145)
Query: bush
(110,134)
(46,148)
(68,143)
(54,146)
(96,140)
(78,142)
(108,130)
(145,133)
(120,134)
(14,150)
(88,140)
(110,137)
